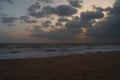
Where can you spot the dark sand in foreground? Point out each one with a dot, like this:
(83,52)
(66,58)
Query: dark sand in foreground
(101,66)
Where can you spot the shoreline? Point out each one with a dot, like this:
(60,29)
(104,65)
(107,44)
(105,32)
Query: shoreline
(98,66)
(39,55)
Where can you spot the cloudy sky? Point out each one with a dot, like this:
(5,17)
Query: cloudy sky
(44,21)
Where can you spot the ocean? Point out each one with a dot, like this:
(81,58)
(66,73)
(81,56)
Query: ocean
(34,50)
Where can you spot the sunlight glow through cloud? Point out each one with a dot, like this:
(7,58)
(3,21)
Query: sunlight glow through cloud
(55,20)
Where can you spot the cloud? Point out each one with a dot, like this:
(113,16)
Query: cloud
(47,23)
(6,19)
(59,24)
(43,13)
(63,20)
(1,14)
(34,7)
(9,1)
(72,28)
(101,9)
(75,3)
(108,29)
(116,8)
(27,19)
(10,25)
(60,35)
(46,1)
(73,24)
(88,15)
(62,10)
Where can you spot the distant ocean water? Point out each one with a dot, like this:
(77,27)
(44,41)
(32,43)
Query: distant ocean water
(18,51)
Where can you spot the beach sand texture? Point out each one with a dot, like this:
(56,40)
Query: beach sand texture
(101,66)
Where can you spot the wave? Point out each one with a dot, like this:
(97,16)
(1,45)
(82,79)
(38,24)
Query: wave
(14,51)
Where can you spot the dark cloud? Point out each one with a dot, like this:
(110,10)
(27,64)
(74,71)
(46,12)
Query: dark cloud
(62,10)
(75,18)
(32,21)
(43,13)
(65,10)
(9,1)
(108,29)
(6,19)
(58,24)
(1,14)
(27,19)
(73,24)
(105,30)
(46,1)
(72,28)
(36,29)
(75,3)
(88,15)
(34,7)
(101,9)
(63,20)
(116,8)
(46,23)
(11,25)
(60,35)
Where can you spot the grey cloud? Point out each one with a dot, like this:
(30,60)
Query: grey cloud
(47,1)
(59,24)
(68,33)
(9,1)
(27,19)
(1,7)
(44,12)
(6,19)
(108,29)
(75,3)
(62,10)
(1,14)
(107,9)
(73,24)
(31,21)
(92,15)
(34,7)
(78,22)
(36,29)
(116,8)
(46,23)
(76,18)
(60,35)
(10,25)
(65,10)
(63,20)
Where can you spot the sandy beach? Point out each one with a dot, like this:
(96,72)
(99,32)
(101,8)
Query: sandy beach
(100,66)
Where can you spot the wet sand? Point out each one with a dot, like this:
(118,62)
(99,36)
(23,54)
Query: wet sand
(100,66)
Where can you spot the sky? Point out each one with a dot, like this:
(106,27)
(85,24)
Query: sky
(59,21)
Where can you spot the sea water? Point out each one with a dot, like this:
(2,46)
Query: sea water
(34,50)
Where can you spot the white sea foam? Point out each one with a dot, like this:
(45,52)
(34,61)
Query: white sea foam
(33,51)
